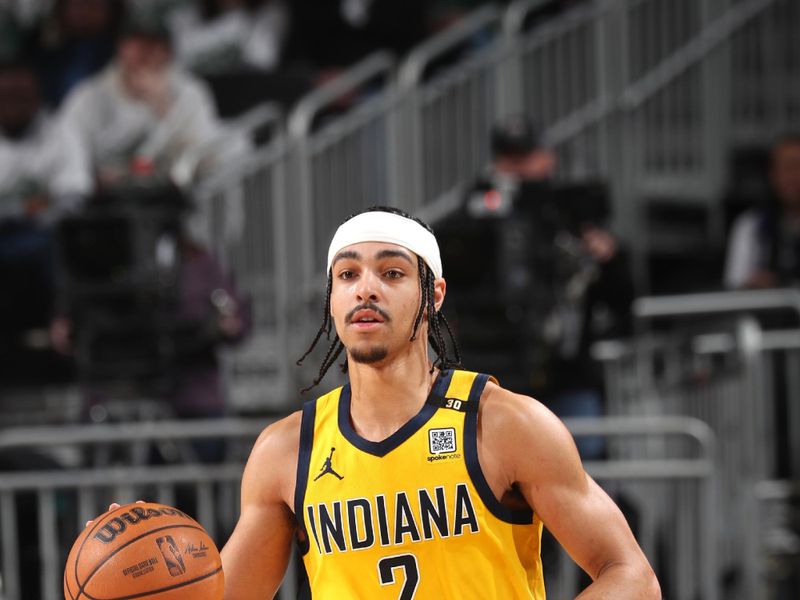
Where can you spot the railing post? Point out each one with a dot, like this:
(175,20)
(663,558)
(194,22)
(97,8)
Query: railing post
(756,404)
(410,78)
(300,193)
(48,545)
(510,95)
(621,132)
(708,539)
(8,543)
(716,115)
(284,231)
(301,150)
(693,569)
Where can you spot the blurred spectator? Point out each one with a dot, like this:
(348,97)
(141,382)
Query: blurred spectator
(42,175)
(110,329)
(207,295)
(143,113)
(217,36)
(764,246)
(518,154)
(237,46)
(560,280)
(76,41)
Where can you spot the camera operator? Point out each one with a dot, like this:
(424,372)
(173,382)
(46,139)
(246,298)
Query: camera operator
(556,279)
(146,306)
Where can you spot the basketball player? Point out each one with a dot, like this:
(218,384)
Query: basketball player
(416,479)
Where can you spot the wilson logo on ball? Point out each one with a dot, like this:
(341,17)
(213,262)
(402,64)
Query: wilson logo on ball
(134,516)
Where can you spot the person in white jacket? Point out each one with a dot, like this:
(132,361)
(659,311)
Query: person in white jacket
(145,112)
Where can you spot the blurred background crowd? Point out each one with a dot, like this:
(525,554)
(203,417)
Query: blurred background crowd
(115,115)
(111,113)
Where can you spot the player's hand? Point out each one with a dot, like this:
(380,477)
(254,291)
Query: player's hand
(112,506)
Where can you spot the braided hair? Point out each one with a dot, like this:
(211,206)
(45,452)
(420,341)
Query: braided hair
(437,323)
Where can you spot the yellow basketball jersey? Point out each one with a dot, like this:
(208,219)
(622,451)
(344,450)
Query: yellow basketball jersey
(411,516)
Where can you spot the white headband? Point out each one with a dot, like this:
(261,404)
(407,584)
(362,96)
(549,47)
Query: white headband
(380,226)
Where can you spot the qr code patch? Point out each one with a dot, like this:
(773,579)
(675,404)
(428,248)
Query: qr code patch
(442,440)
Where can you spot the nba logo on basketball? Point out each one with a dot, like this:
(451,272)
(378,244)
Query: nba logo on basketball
(172,556)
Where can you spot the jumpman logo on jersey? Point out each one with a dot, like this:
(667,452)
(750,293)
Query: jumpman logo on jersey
(328,467)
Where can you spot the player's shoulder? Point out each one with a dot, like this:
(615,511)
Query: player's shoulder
(514,418)
(504,403)
(270,470)
(509,422)
(279,438)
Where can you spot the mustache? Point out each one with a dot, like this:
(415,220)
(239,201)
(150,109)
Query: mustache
(348,318)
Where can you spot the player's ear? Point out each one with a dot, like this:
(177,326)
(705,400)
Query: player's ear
(439,290)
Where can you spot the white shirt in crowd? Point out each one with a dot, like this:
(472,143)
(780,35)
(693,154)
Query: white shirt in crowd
(745,254)
(116,128)
(238,37)
(49,160)
(749,250)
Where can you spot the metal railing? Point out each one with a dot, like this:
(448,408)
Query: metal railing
(716,363)
(343,164)
(692,305)
(663,485)
(779,542)
(642,93)
(52,505)
(262,116)
(242,214)
(663,471)
(560,74)
(652,94)
(447,109)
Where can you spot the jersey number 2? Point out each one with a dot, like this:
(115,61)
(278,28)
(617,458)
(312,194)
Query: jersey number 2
(407,562)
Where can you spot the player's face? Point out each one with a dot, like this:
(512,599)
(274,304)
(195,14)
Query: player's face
(375,296)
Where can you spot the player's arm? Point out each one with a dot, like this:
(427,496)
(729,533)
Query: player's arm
(256,556)
(530,448)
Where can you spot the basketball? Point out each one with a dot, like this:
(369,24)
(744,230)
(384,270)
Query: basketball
(147,551)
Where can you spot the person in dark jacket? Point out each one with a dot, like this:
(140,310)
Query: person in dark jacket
(564,278)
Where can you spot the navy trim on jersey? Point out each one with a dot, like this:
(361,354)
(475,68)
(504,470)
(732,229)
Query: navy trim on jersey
(413,425)
(515,517)
(303,462)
